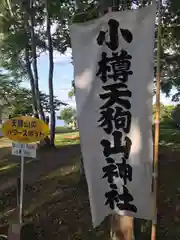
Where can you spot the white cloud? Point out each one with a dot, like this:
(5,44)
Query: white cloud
(59,58)
(63,58)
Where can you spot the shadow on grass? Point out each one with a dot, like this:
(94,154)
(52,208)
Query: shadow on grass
(48,163)
(64,207)
(7,163)
(58,205)
(5,152)
(47,160)
(168,204)
(170,137)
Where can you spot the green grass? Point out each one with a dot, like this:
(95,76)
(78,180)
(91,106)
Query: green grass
(170,137)
(59,200)
(167,137)
(9,166)
(64,129)
(65,199)
(60,139)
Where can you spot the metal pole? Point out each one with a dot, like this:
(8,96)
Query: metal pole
(18,191)
(21,187)
(156,139)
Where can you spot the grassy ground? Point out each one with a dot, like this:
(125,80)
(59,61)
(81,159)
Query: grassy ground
(62,194)
(7,161)
(57,202)
(170,137)
(63,139)
(64,130)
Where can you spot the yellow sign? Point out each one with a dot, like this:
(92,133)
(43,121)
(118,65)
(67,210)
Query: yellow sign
(25,129)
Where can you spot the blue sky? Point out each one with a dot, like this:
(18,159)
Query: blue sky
(63,76)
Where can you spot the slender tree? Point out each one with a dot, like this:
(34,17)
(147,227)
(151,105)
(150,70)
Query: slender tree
(34,55)
(51,71)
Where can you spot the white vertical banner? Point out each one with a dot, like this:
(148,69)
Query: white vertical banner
(114,67)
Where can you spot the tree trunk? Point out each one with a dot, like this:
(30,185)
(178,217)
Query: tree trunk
(121,226)
(30,74)
(0,116)
(51,71)
(28,65)
(34,60)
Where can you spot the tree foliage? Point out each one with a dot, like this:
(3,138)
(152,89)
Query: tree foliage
(71,93)
(16,100)
(8,87)
(165,111)
(176,114)
(68,114)
(14,35)
(23,105)
(170,38)
(25,28)
(166,115)
(24,36)
(170,59)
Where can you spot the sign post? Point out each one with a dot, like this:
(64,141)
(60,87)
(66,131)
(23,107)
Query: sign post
(21,187)
(23,150)
(29,150)
(24,131)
